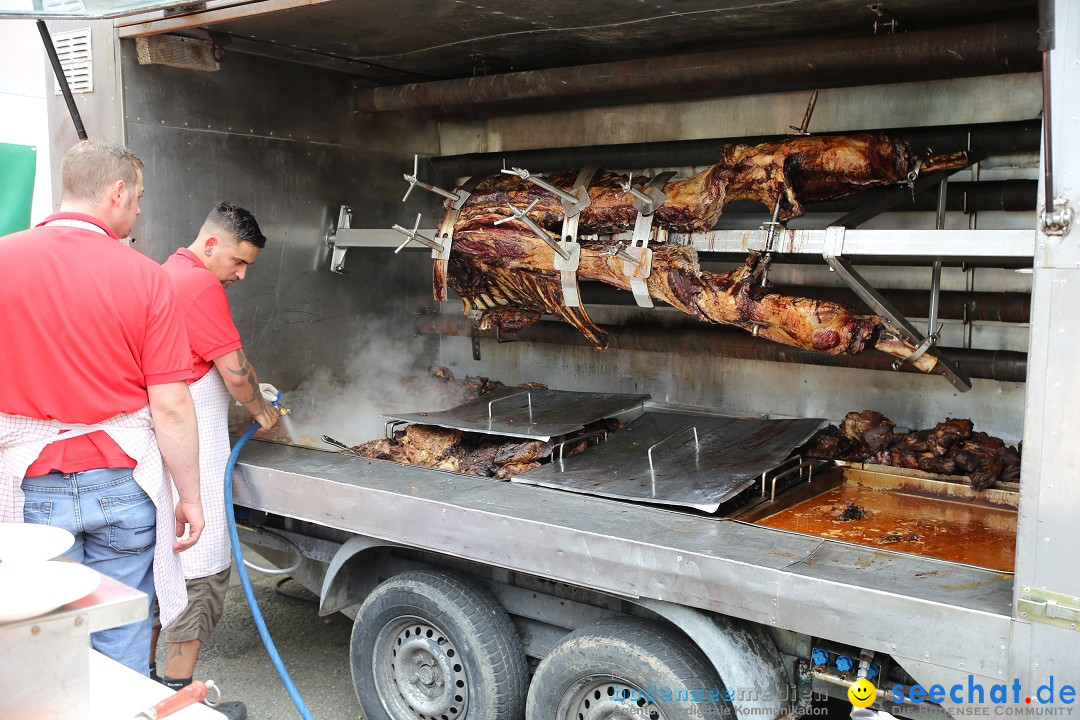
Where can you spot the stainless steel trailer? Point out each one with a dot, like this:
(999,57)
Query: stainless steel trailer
(320,105)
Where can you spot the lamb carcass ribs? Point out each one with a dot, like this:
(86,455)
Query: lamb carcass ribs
(501,272)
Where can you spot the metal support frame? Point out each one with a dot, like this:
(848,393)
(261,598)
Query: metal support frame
(344,222)
(834,246)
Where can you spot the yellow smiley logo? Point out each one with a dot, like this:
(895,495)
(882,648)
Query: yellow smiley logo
(862,693)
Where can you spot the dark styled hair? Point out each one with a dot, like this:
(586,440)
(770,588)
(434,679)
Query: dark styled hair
(236,222)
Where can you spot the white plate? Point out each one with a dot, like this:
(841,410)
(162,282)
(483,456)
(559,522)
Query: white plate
(33,588)
(21,542)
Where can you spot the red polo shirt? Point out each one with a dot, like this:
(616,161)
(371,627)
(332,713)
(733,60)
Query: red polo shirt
(210,327)
(86,324)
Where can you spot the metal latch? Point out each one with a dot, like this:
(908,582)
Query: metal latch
(1049,607)
(1058,221)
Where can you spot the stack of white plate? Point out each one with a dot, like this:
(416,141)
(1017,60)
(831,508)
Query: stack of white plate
(32,583)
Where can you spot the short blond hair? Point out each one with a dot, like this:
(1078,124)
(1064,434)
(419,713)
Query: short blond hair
(93,165)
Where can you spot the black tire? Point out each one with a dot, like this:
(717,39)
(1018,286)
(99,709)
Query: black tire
(621,668)
(429,645)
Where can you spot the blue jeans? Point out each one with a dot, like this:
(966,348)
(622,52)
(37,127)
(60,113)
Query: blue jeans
(114,522)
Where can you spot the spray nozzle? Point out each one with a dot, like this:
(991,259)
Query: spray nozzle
(281,409)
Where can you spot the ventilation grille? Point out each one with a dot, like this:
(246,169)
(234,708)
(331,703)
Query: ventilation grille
(77,60)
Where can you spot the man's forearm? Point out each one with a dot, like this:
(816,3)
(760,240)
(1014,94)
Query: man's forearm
(177,432)
(243,385)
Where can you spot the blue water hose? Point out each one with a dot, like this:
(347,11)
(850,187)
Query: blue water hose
(245,581)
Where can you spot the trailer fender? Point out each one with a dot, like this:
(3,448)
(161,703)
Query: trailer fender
(743,654)
(353,573)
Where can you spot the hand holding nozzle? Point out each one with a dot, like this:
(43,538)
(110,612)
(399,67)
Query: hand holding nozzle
(523,216)
(414,235)
(413,182)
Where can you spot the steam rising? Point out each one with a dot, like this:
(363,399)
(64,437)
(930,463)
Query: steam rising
(385,374)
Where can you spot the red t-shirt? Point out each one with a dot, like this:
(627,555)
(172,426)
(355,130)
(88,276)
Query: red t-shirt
(210,327)
(86,323)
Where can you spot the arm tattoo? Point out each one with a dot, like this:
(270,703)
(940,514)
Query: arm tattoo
(245,370)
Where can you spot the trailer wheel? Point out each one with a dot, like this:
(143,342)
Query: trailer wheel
(625,668)
(429,645)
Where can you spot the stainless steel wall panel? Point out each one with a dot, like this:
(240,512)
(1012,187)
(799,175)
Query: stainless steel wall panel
(745,388)
(279,140)
(939,102)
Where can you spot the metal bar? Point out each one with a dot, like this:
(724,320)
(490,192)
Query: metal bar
(58,70)
(709,341)
(1006,307)
(941,53)
(587,436)
(519,394)
(881,306)
(697,444)
(1048,147)
(540,182)
(1006,246)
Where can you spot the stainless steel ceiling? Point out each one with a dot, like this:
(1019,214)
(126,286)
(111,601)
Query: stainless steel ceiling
(415,40)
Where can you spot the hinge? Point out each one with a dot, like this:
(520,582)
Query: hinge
(1049,607)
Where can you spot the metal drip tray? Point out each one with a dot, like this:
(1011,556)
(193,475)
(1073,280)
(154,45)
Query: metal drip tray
(537,414)
(690,460)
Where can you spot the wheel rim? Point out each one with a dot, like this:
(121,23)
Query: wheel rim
(419,672)
(607,699)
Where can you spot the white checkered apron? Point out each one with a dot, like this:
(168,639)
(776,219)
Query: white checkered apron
(213,552)
(21,441)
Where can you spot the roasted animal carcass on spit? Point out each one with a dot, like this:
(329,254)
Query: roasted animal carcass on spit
(505,273)
(951,447)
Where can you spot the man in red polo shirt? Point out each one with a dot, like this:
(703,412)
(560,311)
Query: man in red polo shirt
(93,391)
(227,244)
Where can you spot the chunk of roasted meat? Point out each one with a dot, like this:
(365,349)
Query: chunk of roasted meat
(475,453)
(871,430)
(949,448)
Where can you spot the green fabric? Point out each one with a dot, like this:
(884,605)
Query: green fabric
(17,166)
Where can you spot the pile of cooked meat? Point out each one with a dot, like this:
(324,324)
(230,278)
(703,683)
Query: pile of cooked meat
(951,447)
(475,453)
(505,274)
(470,452)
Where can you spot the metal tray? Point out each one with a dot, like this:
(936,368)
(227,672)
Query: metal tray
(902,511)
(537,414)
(690,460)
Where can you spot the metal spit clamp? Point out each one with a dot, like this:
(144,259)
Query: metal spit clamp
(567,250)
(414,235)
(414,182)
(646,200)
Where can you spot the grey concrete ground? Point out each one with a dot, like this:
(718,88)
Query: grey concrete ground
(315,651)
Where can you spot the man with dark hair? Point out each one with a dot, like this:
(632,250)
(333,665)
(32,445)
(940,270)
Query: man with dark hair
(94,364)
(227,244)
